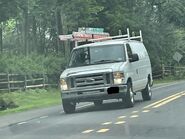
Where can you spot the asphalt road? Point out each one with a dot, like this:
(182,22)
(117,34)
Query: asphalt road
(161,118)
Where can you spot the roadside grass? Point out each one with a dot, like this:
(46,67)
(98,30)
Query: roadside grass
(31,99)
(167,80)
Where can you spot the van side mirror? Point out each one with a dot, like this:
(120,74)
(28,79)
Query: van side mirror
(134,58)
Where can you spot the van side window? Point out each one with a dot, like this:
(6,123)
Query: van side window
(129,51)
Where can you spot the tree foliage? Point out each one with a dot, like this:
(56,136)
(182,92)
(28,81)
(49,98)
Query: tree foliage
(31,27)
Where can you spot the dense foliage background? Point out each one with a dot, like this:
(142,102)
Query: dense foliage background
(29,29)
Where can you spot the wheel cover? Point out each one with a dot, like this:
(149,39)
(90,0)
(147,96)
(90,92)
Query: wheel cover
(149,90)
(131,96)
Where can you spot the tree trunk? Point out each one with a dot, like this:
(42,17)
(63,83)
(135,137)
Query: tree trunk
(59,30)
(42,38)
(25,13)
(60,26)
(19,37)
(1,39)
(34,34)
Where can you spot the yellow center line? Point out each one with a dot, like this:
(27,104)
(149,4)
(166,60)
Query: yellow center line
(153,105)
(134,116)
(106,123)
(167,101)
(103,130)
(121,117)
(120,122)
(162,100)
(146,111)
(88,131)
(135,111)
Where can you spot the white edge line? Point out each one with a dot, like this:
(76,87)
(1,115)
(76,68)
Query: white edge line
(21,123)
(43,117)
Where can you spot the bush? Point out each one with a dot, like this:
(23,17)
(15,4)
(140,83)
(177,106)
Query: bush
(7,103)
(33,64)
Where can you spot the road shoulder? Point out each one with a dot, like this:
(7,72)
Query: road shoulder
(11,119)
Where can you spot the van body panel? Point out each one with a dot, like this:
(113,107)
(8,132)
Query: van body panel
(93,81)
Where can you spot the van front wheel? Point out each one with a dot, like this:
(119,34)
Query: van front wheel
(69,107)
(129,97)
(147,92)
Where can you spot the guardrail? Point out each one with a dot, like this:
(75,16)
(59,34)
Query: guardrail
(12,82)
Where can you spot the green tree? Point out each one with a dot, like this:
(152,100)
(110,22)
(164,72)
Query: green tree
(8,9)
(33,26)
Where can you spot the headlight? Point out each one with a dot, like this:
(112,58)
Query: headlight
(118,78)
(63,85)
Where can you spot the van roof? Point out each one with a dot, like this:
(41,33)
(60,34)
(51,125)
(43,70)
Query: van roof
(109,42)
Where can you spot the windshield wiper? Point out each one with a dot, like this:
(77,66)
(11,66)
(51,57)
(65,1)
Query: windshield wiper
(106,61)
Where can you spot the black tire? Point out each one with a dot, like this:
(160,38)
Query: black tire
(98,102)
(129,100)
(69,107)
(147,93)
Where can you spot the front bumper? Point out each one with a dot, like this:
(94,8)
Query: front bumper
(95,93)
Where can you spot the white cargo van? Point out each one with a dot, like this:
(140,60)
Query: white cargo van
(112,69)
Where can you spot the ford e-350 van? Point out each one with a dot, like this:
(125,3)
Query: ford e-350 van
(113,69)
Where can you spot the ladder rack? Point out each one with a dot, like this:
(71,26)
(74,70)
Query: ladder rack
(89,38)
(123,37)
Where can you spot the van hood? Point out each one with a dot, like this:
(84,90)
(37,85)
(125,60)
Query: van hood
(109,67)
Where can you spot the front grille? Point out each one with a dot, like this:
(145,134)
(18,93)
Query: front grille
(91,80)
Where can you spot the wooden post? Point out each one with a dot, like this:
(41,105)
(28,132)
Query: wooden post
(163,71)
(25,82)
(8,77)
(43,80)
(1,38)
(173,71)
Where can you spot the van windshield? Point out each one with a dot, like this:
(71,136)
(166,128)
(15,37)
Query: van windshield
(97,55)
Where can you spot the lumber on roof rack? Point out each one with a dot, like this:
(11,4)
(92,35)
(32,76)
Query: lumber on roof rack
(89,39)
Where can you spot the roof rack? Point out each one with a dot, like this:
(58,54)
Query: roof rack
(79,37)
(124,37)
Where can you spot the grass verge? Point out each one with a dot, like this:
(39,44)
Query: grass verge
(31,99)
(167,80)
